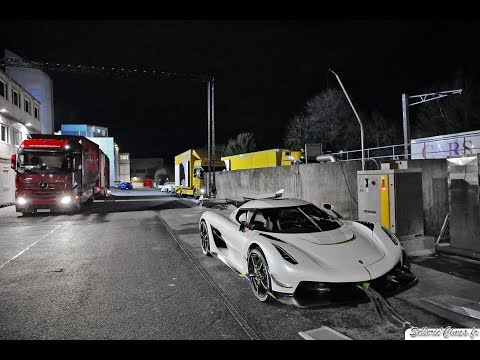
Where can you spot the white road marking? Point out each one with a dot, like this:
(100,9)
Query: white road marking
(21,252)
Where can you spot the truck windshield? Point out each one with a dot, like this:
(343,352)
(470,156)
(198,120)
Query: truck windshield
(47,161)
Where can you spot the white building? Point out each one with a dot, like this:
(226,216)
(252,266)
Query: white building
(124,171)
(37,83)
(19,116)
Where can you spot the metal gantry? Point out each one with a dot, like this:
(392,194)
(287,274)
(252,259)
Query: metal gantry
(126,72)
(422,99)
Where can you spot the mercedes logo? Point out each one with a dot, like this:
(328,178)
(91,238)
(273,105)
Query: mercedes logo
(43,185)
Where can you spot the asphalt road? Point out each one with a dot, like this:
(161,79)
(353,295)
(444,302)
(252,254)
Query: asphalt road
(115,271)
(110,272)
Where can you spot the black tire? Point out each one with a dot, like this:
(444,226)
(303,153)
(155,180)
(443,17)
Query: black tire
(259,275)
(195,193)
(204,238)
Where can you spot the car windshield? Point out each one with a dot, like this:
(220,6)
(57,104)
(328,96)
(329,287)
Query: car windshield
(296,219)
(49,161)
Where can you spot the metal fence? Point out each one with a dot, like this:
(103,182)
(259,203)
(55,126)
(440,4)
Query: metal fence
(397,152)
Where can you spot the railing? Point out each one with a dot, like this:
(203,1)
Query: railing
(397,152)
(394,152)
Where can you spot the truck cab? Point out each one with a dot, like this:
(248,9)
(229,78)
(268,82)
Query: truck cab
(191,168)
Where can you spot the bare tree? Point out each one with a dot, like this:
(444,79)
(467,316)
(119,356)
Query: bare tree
(328,119)
(300,131)
(379,130)
(450,114)
(243,143)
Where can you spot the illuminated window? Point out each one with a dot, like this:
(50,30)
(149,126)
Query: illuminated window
(123,157)
(4,134)
(17,137)
(26,106)
(3,89)
(15,98)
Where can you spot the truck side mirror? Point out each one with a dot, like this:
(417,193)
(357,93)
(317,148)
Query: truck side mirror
(13,162)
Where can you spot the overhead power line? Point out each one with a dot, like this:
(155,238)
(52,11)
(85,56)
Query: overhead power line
(105,70)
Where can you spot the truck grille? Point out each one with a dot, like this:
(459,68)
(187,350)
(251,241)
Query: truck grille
(46,194)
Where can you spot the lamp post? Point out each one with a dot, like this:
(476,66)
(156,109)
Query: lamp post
(358,117)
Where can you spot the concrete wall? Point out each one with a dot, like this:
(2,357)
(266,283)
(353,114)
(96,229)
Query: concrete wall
(435,193)
(318,183)
(322,183)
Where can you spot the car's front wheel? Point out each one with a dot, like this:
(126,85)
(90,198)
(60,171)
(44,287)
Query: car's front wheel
(259,276)
(204,238)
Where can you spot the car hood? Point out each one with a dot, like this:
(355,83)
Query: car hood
(342,247)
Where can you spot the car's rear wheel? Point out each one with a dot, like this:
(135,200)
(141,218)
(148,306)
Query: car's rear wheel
(259,276)
(204,238)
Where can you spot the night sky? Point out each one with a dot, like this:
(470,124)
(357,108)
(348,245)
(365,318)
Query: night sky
(264,70)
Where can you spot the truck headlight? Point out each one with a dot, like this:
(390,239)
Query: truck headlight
(66,200)
(21,201)
(202,191)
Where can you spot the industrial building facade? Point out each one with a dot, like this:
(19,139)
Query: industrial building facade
(19,116)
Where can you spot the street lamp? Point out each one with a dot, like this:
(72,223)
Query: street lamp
(358,117)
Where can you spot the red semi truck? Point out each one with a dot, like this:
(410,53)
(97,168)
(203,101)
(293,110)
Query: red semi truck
(58,173)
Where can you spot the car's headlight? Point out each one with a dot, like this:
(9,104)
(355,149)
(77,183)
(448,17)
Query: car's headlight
(202,191)
(66,200)
(390,235)
(21,201)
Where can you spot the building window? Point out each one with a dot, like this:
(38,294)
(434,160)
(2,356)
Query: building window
(36,113)
(4,134)
(3,89)
(15,98)
(17,137)
(26,106)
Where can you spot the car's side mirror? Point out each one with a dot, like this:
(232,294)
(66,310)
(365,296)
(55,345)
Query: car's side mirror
(242,227)
(330,208)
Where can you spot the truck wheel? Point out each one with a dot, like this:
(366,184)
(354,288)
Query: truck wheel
(195,194)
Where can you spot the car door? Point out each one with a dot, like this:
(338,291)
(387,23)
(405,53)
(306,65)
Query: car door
(236,240)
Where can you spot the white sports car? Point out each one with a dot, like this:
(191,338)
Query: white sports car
(297,253)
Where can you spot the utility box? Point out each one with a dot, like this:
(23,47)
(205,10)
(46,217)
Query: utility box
(464,202)
(392,197)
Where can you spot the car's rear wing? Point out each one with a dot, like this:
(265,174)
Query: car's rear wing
(276,195)
(219,203)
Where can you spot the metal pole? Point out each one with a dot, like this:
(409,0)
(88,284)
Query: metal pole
(358,118)
(406,125)
(214,155)
(209,131)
